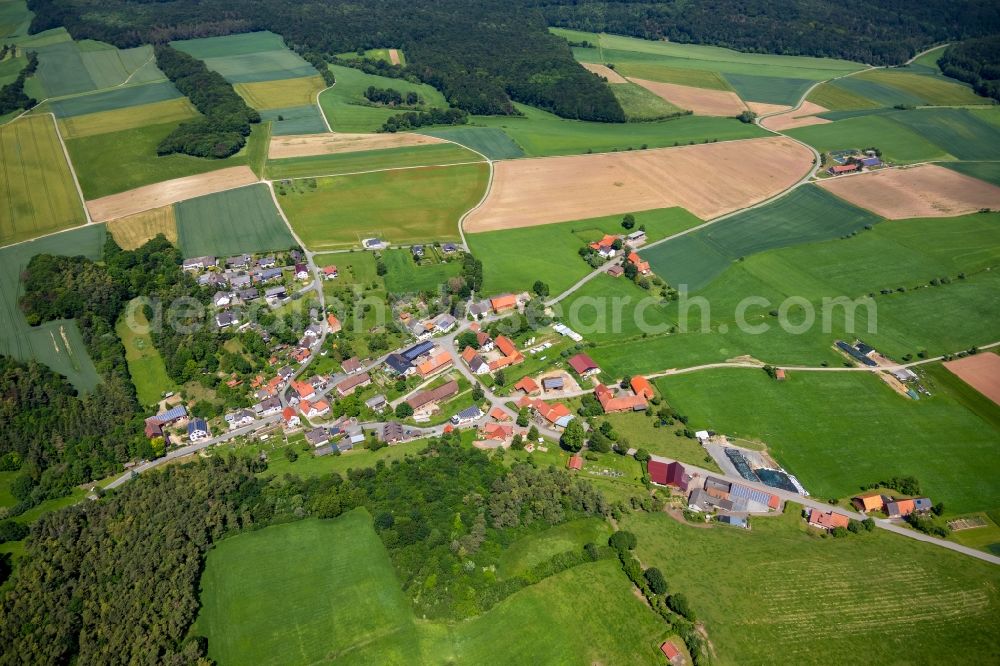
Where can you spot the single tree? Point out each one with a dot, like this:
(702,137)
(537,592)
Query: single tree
(572,437)
(403,410)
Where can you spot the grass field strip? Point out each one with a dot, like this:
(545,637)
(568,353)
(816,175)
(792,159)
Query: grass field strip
(72,170)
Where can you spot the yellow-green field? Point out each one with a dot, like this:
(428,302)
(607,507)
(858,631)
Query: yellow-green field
(171,110)
(282,93)
(39,195)
(933,90)
(135,230)
(697,78)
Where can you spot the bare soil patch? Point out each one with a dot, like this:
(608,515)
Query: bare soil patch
(708,180)
(923,191)
(394,56)
(605,72)
(306,145)
(803,116)
(700,101)
(981,372)
(169,191)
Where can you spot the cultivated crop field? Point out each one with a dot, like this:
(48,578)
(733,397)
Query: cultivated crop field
(39,195)
(897,142)
(341,601)
(136,230)
(347,109)
(294,120)
(492,142)
(240,220)
(980,371)
(115,162)
(900,257)
(988,171)
(542,134)
(801,216)
(371,160)
(708,180)
(642,103)
(402,206)
(57,344)
(103,122)
(66,67)
(757,592)
(248,57)
(281,93)
(869,431)
(118,98)
(513,259)
(167,192)
(801,117)
(701,101)
(922,191)
(313,145)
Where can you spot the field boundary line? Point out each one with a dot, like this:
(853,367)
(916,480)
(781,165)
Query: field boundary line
(72,170)
(404,168)
(482,200)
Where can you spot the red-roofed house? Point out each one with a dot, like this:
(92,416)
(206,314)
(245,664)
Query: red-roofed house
(557,414)
(313,410)
(505,346)
(838,169)
(575,462)
(900,508)
(503,303)
(448,428)
(667,474)
(869,502)
(779,374)
(333,324)
(584,365)
(828,520)
(640,265)
(468,354)
(670,651)
(435,364)
(641,387)
(484,341)
(330,272)
(527,384)
(304,390)
(605,246)
(496,431)
(290,417)
(624,403)
(499,414)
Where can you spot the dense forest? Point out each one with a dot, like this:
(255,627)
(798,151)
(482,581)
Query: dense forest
(225,122)
(116,581)
(55,437)
(878,32)
(481,55)
(12,95)
(977,62)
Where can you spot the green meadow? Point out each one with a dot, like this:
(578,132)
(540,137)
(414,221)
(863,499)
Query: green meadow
(758,593)
(347,110)
(145,365)
(402,206)
(640,104)
(901,258)
(321,591)
(230,222)
(540,133)
(405,275)
(988,171)
(514,258)
(532,550)
(370,160)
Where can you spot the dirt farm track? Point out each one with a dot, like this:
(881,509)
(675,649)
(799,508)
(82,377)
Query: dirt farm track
(707,179)
(923,191)
(981,372)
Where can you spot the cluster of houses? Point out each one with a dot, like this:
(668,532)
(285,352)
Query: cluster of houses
(424,359)
(893,508)
(499,304)
(177,418)
(426,328)
(625,401)
(610,245)
(855,163)
(492,355)
(711,494)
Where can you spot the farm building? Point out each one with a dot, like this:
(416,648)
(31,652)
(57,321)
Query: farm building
(640,265)
(526,384)
(398,364)
(552,383)
(503,303)
(348,386)
(618,403)
(616,271)
(641,387)
(427,399)
(417,350)
(584,365)
(869,502)
(840,169)
(828,520)
(756,500)
(575,462)
(901,508)
(154,424)
(671,652)
(665,473)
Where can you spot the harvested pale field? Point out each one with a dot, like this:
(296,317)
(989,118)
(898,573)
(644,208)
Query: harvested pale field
(981,372)
(700,101)
(923,191)
(169,191)
(136,230)
(605,72)
(708,180)
(306,145)
(803,116)
(763,108)
(394,56)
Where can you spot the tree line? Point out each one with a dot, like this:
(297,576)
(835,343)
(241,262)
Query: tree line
(392,97)
(483,56)
(977,62)
(12,96)
(225,122)
(413,119)
(117,580)
(878,32)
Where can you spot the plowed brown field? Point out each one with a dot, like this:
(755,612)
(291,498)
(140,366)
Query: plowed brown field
(981,372)
(708,180)
(700,101)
